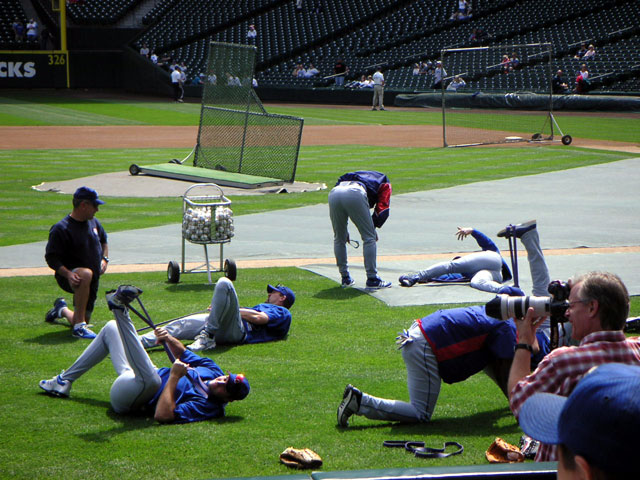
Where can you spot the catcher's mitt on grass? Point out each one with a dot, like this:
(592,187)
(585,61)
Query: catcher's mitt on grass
(300,458)
(503,452)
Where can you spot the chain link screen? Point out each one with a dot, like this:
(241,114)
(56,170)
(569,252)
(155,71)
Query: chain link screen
(236,133)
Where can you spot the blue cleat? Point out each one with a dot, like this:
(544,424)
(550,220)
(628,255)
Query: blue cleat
(56,311)
(517,230)
(377,283)
(56,386)
(123,296)
(83,331)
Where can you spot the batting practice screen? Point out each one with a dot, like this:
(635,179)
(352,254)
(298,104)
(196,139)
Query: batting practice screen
(513,75)
(236,133)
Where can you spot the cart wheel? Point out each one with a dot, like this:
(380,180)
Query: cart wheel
(173,272)
(230,269)
(536,136)
(175,160)
(134,169)
(566,140)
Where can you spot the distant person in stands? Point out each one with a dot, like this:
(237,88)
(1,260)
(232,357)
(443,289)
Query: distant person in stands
(252,34)
(153,57)
(213,79)
(426,67)
(514,61)
(581,52)
(456,83)
(438,75)
(505,64)
(559,83)
(416,69)
(590,54)
(584,71)
(197,80)
(18,30)
(311,72)
(32,30)
(299,71)
(581,84)
(144,50)
(340,71)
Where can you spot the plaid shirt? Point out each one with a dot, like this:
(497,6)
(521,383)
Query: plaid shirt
(561,370)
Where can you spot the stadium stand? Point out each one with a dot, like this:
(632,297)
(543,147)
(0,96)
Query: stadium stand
(11,11)
(99,12)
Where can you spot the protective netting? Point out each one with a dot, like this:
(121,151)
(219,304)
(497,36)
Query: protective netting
(236,133)
(508,70)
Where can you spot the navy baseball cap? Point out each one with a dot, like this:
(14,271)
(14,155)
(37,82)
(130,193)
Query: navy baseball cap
(237,386)
(599,420)
(86,193)
(286,291)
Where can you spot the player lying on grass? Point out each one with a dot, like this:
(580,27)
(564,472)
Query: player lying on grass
(451,345)
(485,270)
(228,323)
(194,388)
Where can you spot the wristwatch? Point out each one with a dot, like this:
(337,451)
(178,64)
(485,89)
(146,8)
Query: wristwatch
(523,346)
(106,259)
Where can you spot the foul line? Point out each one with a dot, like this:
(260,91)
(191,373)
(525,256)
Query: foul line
(299,262)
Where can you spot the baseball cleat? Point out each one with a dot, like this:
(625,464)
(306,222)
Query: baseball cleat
(350,404)
(347,282)
(123,296)
(56,311)
(377,283)
(83,331)
(517,230)
(56,386)
(204,341)
(408,280)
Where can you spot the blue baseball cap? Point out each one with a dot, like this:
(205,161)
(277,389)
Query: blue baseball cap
(86,193)
(237,386)
(286,291)
(599,420)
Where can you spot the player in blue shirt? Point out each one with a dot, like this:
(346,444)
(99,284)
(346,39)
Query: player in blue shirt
(228,323)
(353,196)
(194,388)
(485,270)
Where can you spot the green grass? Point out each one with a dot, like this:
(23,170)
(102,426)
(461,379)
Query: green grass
(338,336)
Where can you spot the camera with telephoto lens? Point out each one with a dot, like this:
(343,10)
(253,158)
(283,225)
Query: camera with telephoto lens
(504,307)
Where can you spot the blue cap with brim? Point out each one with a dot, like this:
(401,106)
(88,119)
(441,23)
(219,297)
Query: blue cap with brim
(237,386)
(89,194)
(598,421)
(286,291)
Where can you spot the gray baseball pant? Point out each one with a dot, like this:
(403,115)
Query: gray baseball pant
(483,268)
(349,200)
(138,379)
(223,321)
(423,380)
(378,96)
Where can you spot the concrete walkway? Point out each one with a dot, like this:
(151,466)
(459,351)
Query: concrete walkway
(594,207)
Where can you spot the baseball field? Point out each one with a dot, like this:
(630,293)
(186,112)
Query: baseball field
(337,336)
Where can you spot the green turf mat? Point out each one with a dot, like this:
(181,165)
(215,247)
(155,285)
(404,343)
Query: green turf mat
(198,174)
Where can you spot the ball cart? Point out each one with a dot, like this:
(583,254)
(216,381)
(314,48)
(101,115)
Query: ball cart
(207,219)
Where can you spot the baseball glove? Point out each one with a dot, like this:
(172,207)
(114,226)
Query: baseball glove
(300,458)
(503,452)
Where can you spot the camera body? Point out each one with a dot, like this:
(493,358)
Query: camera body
(504,307)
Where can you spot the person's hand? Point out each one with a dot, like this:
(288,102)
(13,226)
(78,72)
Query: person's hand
(73,278)
(463,232)
(161,334)
(179,369)
(527,329)
(103,266)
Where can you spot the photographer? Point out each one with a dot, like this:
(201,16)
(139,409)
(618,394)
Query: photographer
(598,306)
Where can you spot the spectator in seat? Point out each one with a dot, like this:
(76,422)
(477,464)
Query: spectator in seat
(559,83)
(340,69)
(252,34)
(456,83)
(581,52)
(32,30)
(590,54)
(311,72)
(416,69)
(18,30)
(514,61)
(144,50)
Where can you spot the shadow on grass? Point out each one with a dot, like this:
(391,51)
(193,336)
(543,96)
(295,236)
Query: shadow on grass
(476,424)
(338,293)
(53,338)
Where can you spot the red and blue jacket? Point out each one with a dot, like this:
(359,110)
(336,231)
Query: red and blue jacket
(378,190)
(465,340)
